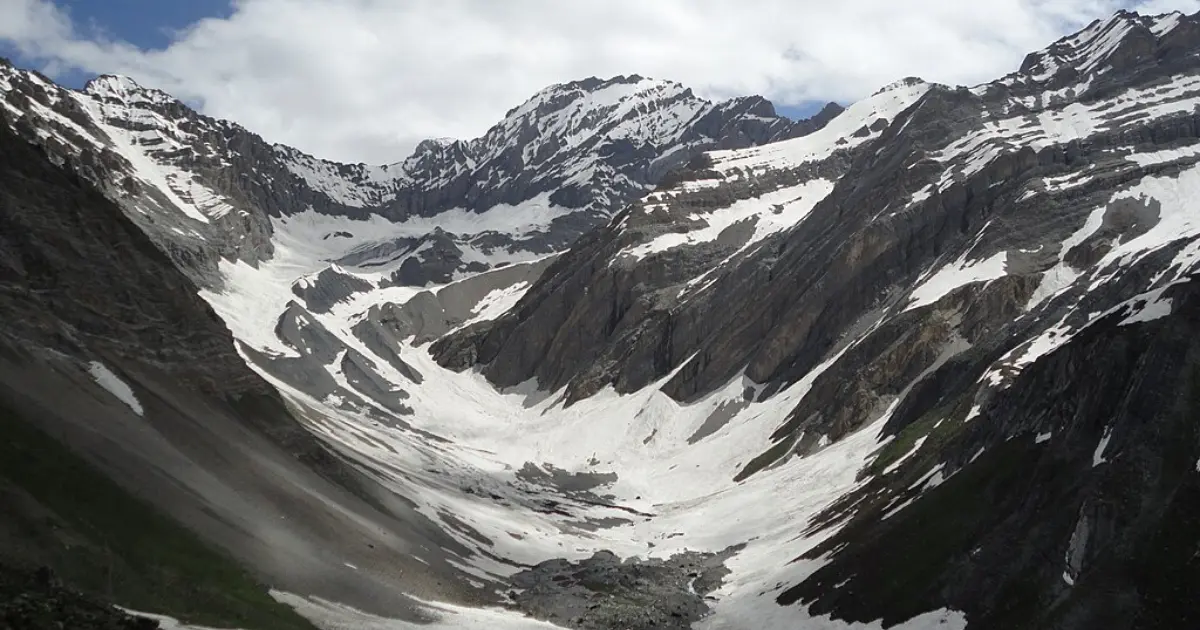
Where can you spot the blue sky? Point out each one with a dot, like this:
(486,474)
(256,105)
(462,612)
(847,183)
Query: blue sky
(147,24)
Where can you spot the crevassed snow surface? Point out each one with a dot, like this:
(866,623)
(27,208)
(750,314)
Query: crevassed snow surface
(105,378)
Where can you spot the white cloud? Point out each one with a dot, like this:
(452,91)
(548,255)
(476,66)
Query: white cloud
(366,79)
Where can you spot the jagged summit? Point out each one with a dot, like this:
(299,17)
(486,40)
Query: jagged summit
(559,164)
(124,89)
(930,361)
(906,82)
(1113,45)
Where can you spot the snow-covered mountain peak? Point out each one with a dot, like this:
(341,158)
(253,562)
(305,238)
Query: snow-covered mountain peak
(902,84)
(592,92)
(966,312)
(126,90)
(1104,45)
(632,107)
(862,121)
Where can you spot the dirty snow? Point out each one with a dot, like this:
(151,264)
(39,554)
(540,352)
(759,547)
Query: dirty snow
(642,437)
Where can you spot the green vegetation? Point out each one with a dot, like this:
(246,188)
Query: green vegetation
(61,512)
(936,436)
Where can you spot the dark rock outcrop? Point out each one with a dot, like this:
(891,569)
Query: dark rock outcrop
(35,599)
(240,182)
(996,295)
(93,307)
(604,591)
(1091,524)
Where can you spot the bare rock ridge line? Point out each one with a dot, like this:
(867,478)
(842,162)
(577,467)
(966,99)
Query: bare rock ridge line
(211,442)
(577,152)
(633,359)
(879,302)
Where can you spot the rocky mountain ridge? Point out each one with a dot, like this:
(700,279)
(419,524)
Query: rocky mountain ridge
(917,287)
(208,190)
(925,363)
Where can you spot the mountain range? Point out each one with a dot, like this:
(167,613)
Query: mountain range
(631,359)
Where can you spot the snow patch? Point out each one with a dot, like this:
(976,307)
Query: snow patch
(1152,310)
(1061,275)
(1098,454)
(894,466)
(497,302)
(1151,158)
(955,275)
(838,134)
(105,378)
(773,212)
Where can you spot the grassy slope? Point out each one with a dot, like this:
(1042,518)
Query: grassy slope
(57,510)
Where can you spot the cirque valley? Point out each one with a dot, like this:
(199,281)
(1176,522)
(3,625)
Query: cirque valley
(634,359)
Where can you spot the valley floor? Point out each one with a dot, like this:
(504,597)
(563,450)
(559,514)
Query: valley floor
(519,478)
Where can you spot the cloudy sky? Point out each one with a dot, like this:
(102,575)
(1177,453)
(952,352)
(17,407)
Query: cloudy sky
(364,80)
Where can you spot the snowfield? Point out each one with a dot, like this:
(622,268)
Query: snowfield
(658,476)
(684,487)
(665,490)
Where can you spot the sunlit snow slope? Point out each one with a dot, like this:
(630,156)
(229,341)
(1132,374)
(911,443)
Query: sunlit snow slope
(514,474)
(927,364)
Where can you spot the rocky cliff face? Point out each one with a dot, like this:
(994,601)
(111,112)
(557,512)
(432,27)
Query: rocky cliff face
(926,361)
(108,350)
(984,271)
(206,190)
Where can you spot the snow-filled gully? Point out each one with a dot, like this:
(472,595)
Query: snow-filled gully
(668,495)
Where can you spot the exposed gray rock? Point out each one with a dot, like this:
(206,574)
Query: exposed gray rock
(428,316)
(521,159)
(213,443)
(1081,464)
(604,591)
(330,286)
(1038,531)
